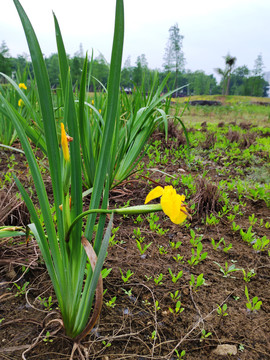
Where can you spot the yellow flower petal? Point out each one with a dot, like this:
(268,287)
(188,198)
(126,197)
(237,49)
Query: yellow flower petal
(20,103)
(155,193)
(171,204)
(22,86)
(64,143)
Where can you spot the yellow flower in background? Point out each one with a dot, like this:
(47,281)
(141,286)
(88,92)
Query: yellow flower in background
(22,86)
(64,142)
(171,203)
(20,103)
(99,111)
(93,102)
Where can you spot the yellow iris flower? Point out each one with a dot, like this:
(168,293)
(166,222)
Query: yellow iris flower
(22,86)
(20,103)
(171,203)
(64,143)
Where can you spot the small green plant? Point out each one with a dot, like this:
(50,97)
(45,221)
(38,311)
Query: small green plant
(162,250)
(199,256)
(111,303)
(181,355)
(158,280)
(216,244)
(154,335)
(21,290)
(195,240)
(157,307)
(252,220)
(106,344)
(126,277)
(227,270)
(222,311)
(235,227)
(175,245)
(247,236)
(211,220)
(47,338)
(175,296)
(199,281)
(47,303)
(175,278)
(178,258)
(248,275)
(138,220)
(127,292)
(254,304)
(204,335)
(231,217)
(261,244)
(138,235)
(143,248)
(178,309)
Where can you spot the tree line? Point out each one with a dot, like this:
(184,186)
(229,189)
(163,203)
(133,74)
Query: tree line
(234,80)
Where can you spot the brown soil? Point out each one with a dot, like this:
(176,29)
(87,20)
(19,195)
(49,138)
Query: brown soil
(126,331)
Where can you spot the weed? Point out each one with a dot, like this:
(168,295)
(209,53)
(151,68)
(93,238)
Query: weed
(254,304)
(126,277)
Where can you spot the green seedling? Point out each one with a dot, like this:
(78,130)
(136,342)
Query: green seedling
(127,292)
(247,236)
(157,307)
(178,258)
(235,227)
(154,335)
(204,335)
(162,250)
(1,320)
(231,217)
(106,344)
(158,280)
(222,310)
(199,256)
(199,282)
(138,235)
(175,245)
(175,278)
(126,277)
(252,220)
(254,304)
(175,296)
(47,303)
(105,272)
(112,240)
(111,303)
(181,355)
(148,278)
(227,248)
(47,338)
(211,220)
(227,270)
(177,309)
(248,275)
(161,231)
(217,244)
(195,240)
(261,244)
(144,248)
(21,290)
(138,220)
(267,225)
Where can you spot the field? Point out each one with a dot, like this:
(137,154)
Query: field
(199,290)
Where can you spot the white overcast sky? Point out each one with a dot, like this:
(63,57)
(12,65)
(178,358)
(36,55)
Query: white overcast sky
(211,29)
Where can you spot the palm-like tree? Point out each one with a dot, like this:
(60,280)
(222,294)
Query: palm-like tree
(226,73)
